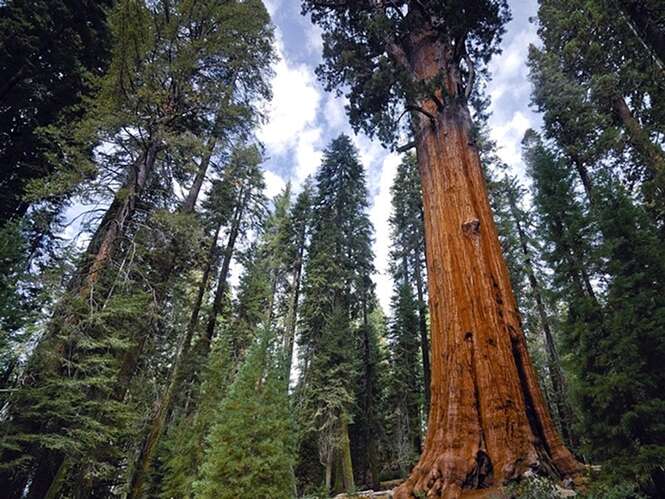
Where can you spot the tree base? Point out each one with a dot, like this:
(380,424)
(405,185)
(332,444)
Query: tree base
(433,484)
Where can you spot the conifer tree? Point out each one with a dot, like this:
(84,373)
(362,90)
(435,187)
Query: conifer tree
(608,381)
(43,85)
(408,251)
(237,203)
(403,393)
(421,58)
(620,376)
(543,323)
(297,236)
(648,23)
(163,97)
(595,83)
(568,232)
(250,448)
(335,293)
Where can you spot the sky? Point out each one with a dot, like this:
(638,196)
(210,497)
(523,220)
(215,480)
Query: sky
(303,118)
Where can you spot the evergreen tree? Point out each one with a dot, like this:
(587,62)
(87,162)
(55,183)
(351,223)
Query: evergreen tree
(44,85)
(404,394)
(182,450)
(152,101)
(534,299)
(608,357)
(620,375)
(237,333)
(250,448)
(408,251)
(600,92)
(298,228)
(335,293)
(237,204)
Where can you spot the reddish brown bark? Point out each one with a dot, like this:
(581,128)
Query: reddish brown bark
(488,420)
(102,246)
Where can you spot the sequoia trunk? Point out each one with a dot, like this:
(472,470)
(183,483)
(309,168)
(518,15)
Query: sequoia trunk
(488,420)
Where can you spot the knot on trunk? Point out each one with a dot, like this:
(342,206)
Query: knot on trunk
(471,228)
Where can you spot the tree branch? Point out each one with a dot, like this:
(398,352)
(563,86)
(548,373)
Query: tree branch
(419,109)
(437,101)
(468,88)
(406,147)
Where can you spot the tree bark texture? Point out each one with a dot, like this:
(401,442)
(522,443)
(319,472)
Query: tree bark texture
(488,420)
(103,244)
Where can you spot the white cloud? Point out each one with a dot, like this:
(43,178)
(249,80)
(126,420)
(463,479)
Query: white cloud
(370,150)
(272,6)
(510,90)
(334,112)
(508,138)
(274,184)
(314,37)
(379,214)
(308,155)
(294,106)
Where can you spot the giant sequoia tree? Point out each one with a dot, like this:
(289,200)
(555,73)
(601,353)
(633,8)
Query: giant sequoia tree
(488,419)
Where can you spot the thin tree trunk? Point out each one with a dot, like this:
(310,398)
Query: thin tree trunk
(371,458)
(222,283)
(329,471)
(166,403)
(584,177)
(195,190)
(424,334)
(346,465)
(645,26)
(651,153)
(553,363)
(292,321)
(488,421)
(132,357)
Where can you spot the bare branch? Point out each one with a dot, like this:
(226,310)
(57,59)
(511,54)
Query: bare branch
(406,147)
(468,88)
(437,101)
(419,109)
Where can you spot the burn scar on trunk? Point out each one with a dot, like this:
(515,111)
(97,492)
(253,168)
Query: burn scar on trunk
(471,228)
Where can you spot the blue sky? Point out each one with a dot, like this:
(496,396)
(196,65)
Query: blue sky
(303,118)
